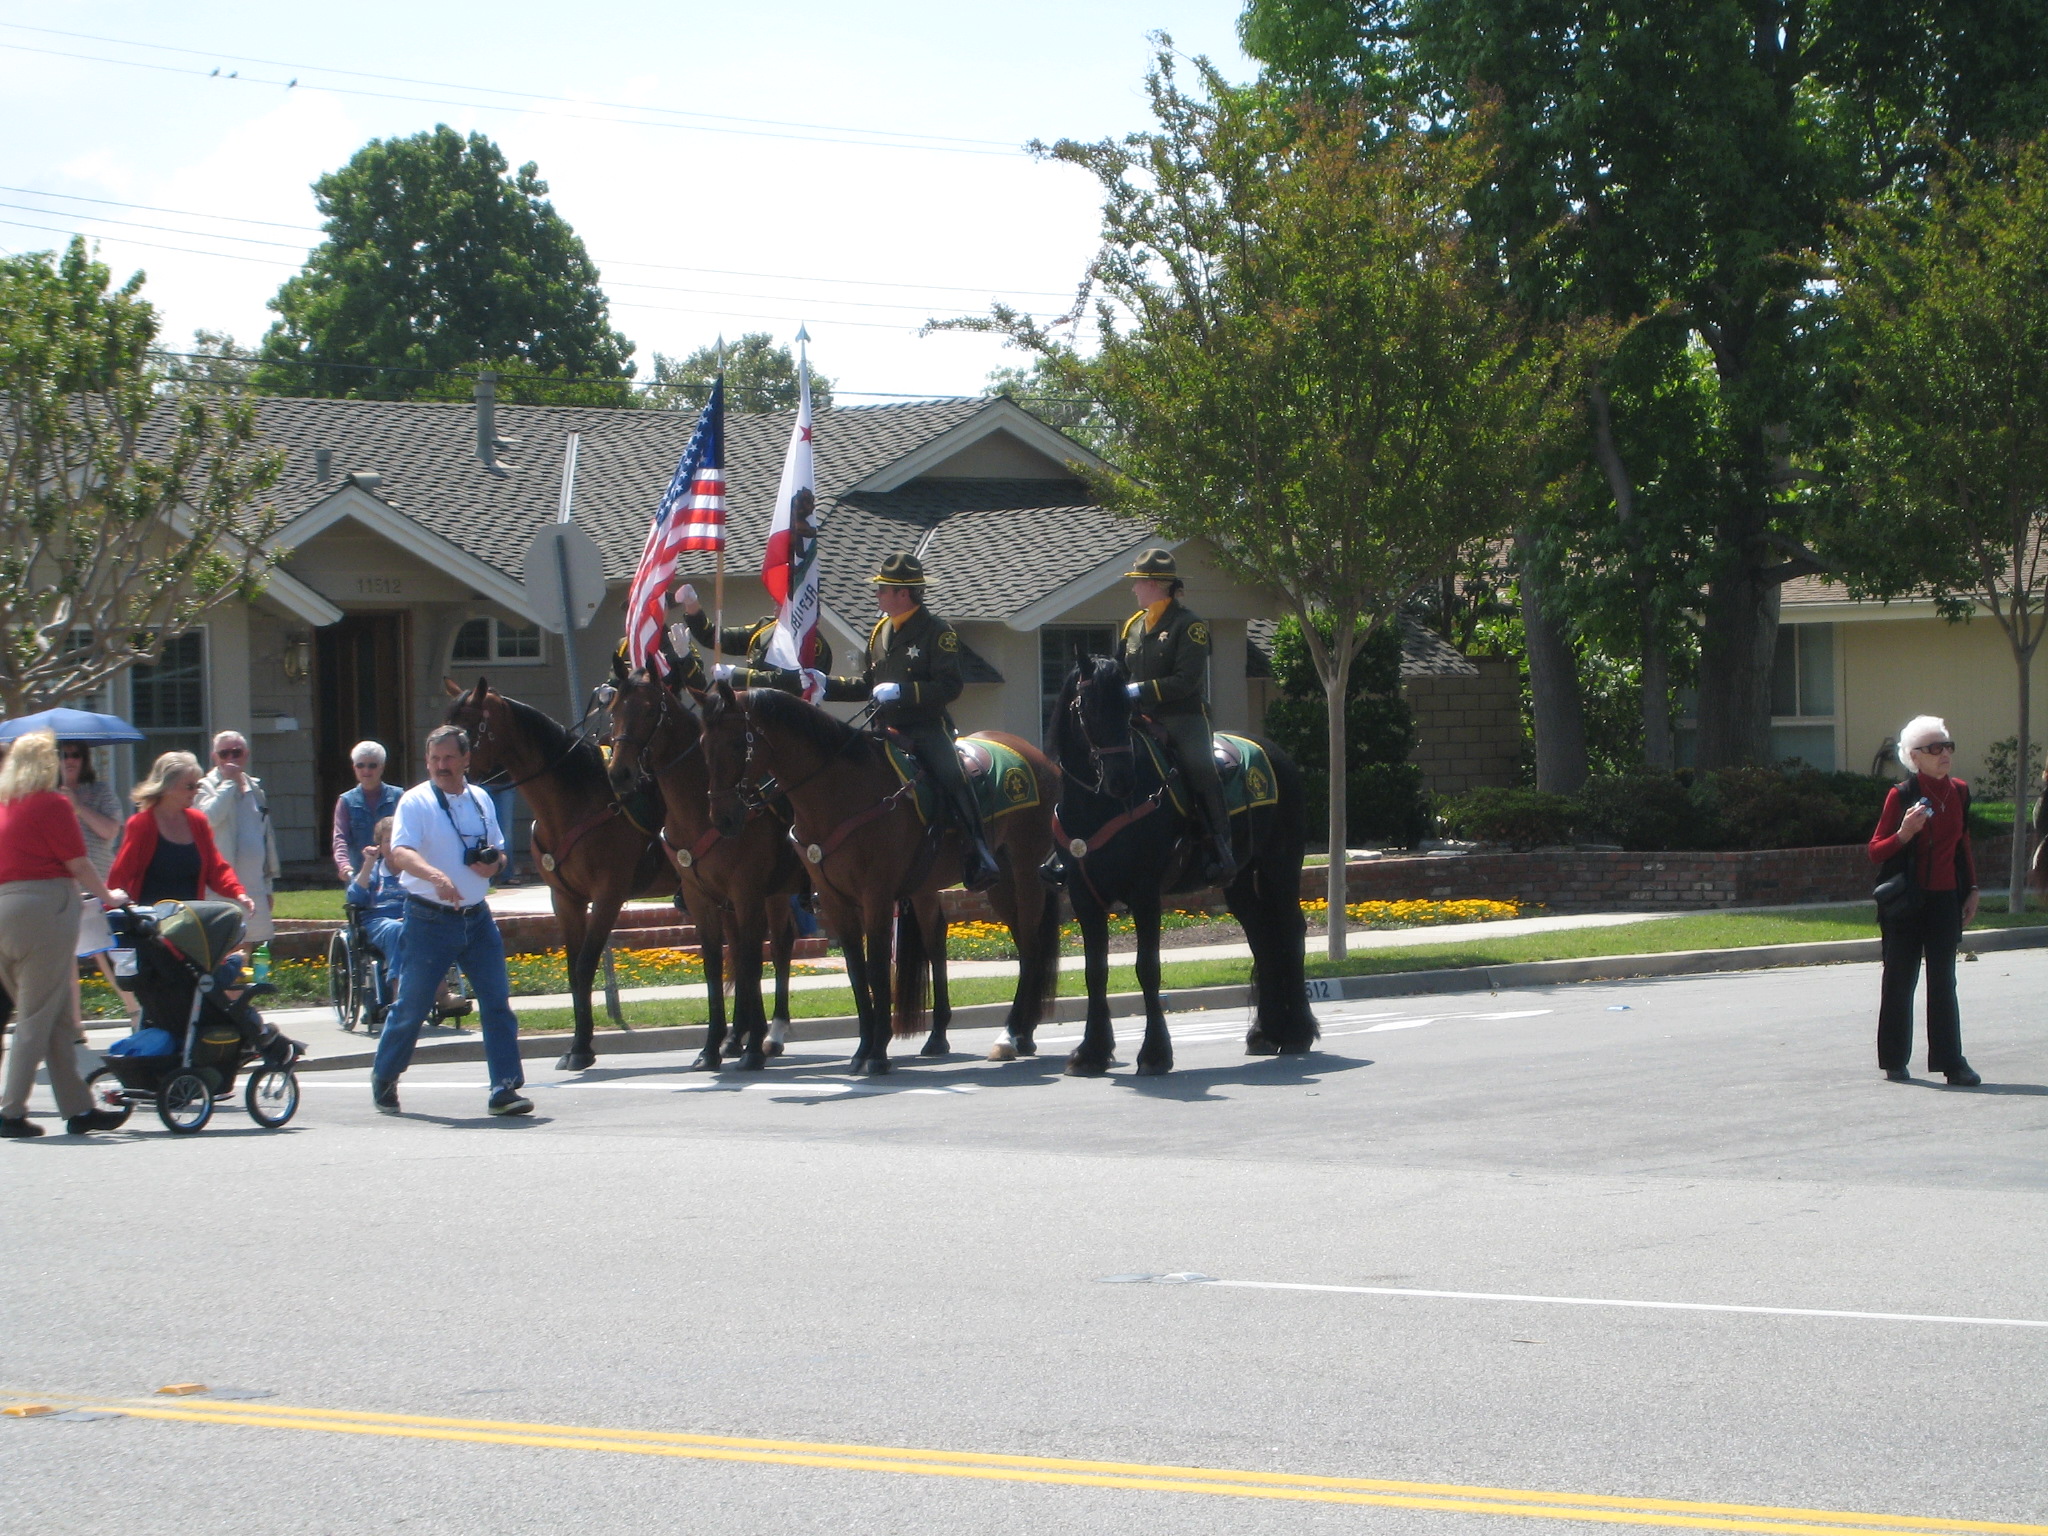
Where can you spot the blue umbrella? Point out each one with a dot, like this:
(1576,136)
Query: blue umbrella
(73,725)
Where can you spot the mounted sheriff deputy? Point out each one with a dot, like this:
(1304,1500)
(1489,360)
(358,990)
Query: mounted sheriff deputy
(1165,650)
(912,674)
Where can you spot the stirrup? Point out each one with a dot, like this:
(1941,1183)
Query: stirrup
(978,868)
(1052,870)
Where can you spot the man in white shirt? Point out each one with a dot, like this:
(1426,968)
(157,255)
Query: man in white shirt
(446,846)
(232,800)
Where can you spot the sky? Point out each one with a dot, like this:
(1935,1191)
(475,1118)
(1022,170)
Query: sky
(730,167)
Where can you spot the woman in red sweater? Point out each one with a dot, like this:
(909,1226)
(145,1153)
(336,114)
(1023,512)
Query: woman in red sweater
(1925,824)
(167,850)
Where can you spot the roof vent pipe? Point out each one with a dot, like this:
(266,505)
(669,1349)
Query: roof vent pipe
(323,463)
(488,444)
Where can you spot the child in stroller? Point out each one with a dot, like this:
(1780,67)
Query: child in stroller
(198,1019)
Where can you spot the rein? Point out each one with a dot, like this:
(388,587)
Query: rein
(577,738)
(813,852)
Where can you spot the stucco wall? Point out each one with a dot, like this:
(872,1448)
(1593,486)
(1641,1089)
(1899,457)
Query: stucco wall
(1888,671)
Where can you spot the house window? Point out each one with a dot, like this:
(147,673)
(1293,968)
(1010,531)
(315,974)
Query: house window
(483,642)
(1059,648)
(167,702)
(1802,700)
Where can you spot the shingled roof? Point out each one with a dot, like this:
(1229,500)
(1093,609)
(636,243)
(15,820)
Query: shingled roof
(1424,653)
(994,545)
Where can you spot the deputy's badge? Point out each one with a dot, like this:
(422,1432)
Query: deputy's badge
(1198,632)
(1078,847)
(815,854)
(685,858)
(948,641)
(547,862)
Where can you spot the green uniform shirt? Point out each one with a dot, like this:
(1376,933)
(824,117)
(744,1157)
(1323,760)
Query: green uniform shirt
(1168,663)
(751,641)
(922,656)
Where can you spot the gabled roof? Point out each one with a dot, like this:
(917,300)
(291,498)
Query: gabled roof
(1424,652)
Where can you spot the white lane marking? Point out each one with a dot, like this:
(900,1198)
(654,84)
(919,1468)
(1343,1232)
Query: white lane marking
(1609,1301)
(709,1086)
(1439,1018)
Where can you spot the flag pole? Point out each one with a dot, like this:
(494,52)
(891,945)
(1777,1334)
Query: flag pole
(718,588)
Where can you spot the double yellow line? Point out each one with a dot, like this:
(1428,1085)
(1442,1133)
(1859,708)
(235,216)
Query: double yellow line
(1446,1498)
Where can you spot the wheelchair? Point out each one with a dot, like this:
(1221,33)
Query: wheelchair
(357,990)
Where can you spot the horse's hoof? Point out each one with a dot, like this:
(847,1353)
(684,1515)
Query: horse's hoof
(753,1061)
(1256,1044)
(1086,1066)
(878,1066)
(706,1061)
(1151,1068)
(936,1046)
(1002,1050)
(1025,1047)
(774,1047)
(577,1061)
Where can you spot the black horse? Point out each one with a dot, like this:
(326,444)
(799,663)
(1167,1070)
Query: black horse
(1120,839)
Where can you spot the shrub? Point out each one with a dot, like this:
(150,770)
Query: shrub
(1995,783)
(1764,808)
(1522,818)
(1644,809)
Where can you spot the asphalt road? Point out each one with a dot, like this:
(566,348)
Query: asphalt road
(801,1260)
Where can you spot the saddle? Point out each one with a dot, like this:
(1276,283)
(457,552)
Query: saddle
(1001,781)
(1249,783)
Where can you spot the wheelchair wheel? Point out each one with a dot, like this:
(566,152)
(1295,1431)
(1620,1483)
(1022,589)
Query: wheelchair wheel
(184,1103)
(364,989)
(340,976)
(107,1095)
(272,1096)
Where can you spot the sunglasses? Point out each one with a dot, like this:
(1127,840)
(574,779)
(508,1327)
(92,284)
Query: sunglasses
(364,767)
(1937,746)
(230,751)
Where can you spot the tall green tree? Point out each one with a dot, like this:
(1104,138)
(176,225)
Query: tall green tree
(760,378)
(1675,159)
(1947,313)
(438,258)
(129,506)
(1307,359)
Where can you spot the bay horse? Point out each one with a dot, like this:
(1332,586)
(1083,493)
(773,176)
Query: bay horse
(738,886)
(1120,839)
(876,871)
(592,855)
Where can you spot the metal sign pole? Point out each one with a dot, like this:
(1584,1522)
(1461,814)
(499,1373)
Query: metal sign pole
(576,700)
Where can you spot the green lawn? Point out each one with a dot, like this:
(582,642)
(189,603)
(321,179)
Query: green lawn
(1711,930)
(308,904)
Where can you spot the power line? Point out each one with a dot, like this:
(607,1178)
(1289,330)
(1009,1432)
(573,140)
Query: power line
(236,77)
(495,90)
(603,262)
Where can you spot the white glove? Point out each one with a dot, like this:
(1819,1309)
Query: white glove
(814,683)
(679,639)
(722,673)
(887,693)
(686,595)
(1135,690)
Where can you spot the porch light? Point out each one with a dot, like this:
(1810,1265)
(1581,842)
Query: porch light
(298,658)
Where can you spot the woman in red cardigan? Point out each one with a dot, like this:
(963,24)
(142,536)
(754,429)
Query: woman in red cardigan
(1925,823)
(167,850)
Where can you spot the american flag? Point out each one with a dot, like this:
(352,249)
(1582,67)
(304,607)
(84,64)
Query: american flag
(691,516)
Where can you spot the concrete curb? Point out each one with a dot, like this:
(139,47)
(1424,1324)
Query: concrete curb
(1534,973)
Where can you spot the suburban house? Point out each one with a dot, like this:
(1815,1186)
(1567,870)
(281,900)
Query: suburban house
(1850,673)
(402,556)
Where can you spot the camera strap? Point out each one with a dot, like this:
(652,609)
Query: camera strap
(483,825)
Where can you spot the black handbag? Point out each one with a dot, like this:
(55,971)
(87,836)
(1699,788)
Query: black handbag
(1898,894)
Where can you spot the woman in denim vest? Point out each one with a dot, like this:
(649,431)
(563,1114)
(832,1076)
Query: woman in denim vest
(357,811)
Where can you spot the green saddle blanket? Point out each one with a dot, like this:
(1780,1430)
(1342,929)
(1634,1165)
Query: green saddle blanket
(1002,781)
(1247,773)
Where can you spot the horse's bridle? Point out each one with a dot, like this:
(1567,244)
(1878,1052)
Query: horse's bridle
(663,701)
(482,734)
(1095,753)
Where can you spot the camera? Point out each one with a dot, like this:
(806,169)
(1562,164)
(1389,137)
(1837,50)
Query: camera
(480,854)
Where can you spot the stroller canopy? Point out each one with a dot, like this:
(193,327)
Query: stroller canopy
(202,931)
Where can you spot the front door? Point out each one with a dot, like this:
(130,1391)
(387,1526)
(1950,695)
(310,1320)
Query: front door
(360,672)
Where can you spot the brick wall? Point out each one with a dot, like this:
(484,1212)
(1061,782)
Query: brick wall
(1468,729)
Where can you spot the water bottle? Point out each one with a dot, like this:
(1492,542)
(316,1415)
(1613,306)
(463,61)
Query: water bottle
(259,963)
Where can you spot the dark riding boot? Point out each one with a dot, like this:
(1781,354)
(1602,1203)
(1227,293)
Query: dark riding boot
(1219,859)
(1053,870)
(978,869)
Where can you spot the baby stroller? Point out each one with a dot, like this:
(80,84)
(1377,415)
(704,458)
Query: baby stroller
(193,1039)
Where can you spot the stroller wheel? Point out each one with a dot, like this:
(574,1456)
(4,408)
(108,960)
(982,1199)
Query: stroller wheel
(272,1096)
(184,1103)
(107,1095)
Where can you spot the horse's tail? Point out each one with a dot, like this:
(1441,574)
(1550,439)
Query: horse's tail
(1045,981)
(913,971)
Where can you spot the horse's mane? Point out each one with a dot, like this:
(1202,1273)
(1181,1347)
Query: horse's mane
(582,765)
(787,712)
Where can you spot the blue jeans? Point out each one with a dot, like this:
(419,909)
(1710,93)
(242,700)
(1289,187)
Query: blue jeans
(435,938)
(385,933)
